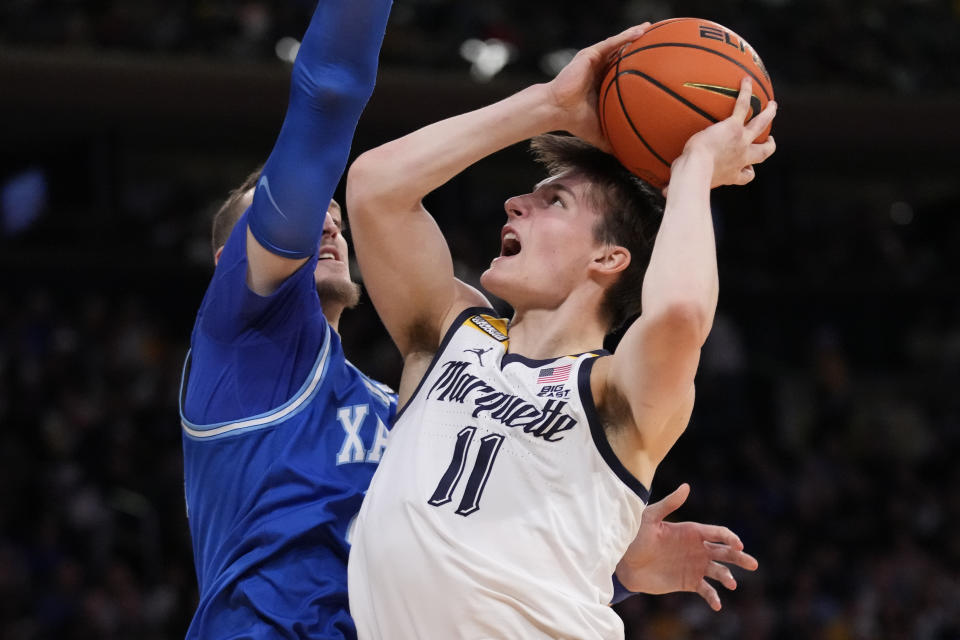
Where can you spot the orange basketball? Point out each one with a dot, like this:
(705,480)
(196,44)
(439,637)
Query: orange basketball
(678,78)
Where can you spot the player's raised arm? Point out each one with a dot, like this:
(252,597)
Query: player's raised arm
(404,258)
(655,363)
(332,80)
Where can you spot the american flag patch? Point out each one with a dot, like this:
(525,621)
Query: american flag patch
(554,374)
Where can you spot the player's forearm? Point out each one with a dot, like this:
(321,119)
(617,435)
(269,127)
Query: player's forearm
(682,274)
(332,80)
(396,176)
(337,60)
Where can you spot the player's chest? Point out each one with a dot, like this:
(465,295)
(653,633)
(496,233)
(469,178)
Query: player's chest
(539,402)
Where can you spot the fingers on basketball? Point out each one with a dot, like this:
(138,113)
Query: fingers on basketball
(677,79)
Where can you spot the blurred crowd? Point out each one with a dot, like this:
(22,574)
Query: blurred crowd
(888,44)
(92,528)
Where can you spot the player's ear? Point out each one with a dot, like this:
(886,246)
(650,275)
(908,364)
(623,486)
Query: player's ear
(611,260)
(216,256)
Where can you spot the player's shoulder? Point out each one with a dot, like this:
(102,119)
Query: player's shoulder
(468,302)
(382,393)
(485,321)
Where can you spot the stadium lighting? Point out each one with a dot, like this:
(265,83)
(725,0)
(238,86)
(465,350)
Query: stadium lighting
(553,62)
(487,57)
(287,48)
(901,213)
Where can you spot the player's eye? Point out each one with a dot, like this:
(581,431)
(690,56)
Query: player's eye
(557,201)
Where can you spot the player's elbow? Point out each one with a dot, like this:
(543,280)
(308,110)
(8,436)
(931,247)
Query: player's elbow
(685,321)
(335,90)
(362,186)
(369,185)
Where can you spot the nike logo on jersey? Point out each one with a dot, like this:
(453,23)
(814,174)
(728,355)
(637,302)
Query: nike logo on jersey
(454,384)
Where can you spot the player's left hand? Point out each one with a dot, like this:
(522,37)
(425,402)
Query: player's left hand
(573,92)
(730,142)
(679,556)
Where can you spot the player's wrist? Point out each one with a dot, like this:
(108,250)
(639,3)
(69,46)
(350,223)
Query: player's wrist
(550,112)
(697,156)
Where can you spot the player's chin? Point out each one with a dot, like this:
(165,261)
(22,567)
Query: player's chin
(497,280)
(339,289)
(491,278)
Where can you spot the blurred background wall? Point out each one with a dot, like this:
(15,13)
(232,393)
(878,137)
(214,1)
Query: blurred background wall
(827,428)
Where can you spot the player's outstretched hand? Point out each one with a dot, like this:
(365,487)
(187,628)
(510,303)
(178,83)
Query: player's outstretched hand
(679,556)
(731,141)
(574,90)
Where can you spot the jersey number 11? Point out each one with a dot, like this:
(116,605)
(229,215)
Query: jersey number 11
(489,447)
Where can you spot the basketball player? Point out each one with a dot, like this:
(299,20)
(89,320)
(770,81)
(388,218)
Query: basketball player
(518,469)
(281,434)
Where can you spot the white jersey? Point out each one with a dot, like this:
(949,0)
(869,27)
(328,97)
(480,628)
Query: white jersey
(499,509)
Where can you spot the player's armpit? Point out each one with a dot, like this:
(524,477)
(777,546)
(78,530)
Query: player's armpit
(648,382)
(405,262)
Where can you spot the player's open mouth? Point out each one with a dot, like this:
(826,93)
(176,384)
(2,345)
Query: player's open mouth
(509,244)
(328,253)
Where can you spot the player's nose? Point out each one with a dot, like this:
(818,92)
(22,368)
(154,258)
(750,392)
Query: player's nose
(517,206)
(330,227)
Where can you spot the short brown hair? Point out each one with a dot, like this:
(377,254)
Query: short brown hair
(630,210)
(230,211)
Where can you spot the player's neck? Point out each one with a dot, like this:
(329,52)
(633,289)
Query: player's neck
(548,333)
(332,312)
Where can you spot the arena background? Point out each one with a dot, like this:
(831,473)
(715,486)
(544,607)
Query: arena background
(828,421)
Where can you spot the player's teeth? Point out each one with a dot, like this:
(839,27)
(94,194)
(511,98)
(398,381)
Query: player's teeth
(510,235)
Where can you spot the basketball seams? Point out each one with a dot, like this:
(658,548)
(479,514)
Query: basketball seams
(671,92)
(601,104)
(685,45)
(626,115)
(645,123)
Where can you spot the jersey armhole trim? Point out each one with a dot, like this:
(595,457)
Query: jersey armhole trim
(457,323)
(267,419)
(600,436)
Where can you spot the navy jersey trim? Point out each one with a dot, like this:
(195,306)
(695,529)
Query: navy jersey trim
(530,362)
(457,323)
(290,408)
(600,436)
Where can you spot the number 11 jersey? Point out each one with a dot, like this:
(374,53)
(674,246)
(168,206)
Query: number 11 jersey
(499,509)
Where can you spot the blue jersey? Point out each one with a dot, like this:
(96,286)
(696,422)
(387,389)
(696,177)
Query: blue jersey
(281,436)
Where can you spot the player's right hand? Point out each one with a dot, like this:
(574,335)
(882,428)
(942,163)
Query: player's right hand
(573,92)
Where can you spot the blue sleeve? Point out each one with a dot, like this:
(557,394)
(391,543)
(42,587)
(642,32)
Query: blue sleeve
(232,313)
(250,353)
(333,78)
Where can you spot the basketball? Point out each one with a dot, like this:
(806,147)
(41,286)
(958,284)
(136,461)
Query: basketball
(678,78)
